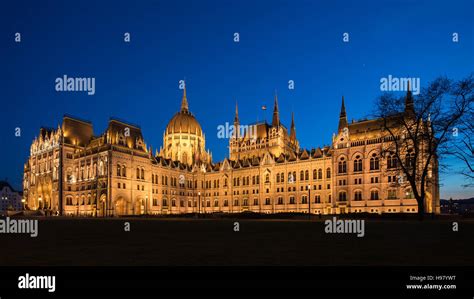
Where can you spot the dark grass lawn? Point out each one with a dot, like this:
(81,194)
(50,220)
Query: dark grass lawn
(156,242)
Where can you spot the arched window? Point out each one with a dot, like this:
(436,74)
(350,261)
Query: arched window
(342,196)
(374,162)
(267,178)
(304,199)
(374,195)
(320,174)
(410,159)
(143,174)
(328,173)
(124,171)
(69,175)
(301,175)
(185,158)
(291,178)
(358,195)
(317,198)
(392,161)
(357,164)
(292,200)
(342,165)
(138,173)
(314,174)
(282,177)
(306,175)
(101,168)
(278,178)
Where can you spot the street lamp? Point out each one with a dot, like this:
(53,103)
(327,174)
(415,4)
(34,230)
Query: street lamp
(103,207)
(146,205)
(309,201)
(199,203)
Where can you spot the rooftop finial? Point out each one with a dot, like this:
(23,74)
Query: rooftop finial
(184,101)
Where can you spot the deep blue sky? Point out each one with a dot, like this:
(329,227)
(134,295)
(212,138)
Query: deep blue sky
(170,40)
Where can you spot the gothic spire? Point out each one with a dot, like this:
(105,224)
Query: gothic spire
(236,118)
(236,122)
(276,113)
(409,106)
(342,117)
(292,129)
(184,101)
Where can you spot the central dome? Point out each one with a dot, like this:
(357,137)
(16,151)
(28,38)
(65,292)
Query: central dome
(184,121)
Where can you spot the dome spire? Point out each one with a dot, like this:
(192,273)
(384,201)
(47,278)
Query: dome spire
(184,101)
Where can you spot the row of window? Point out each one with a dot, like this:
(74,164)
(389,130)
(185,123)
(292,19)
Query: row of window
(374,195)
(392,162)
(304,175)
(237,202)
(357,163)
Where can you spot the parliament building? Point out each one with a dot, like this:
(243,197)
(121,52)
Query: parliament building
(72,171)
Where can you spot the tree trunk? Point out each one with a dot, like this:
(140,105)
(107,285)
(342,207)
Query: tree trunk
(421,209)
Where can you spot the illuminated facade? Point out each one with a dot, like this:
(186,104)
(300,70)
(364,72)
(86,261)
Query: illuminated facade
(116,174)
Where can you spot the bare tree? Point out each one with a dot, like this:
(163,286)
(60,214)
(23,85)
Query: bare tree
(420,131)
(462,146)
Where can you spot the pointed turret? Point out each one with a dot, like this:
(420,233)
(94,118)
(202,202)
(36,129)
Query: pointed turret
(342,117)
(236,118)
(409,105)
(276,113)
(184,101)
(293,129)
(236,122)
